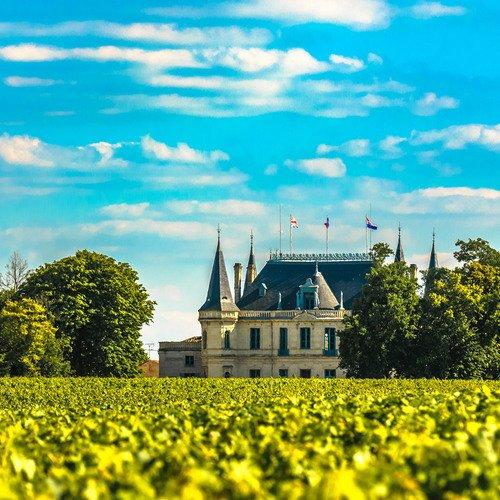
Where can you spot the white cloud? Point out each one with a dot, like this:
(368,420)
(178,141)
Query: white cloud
(201,180)
(467,192)
(346,64)
(166,33)
(231,207)
(29,81)
(391,146)
(325,167)
(163,58)
(271,169)
(427,10)
(460,136)
(182,153)
(125,209)
(355,148)
(374,58)
(430,104)
(24,150)
(107,151)
(59,113)
(358,14)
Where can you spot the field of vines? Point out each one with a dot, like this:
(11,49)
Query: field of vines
(264,438)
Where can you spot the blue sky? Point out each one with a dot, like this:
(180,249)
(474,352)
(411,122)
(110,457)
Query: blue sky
(134,128)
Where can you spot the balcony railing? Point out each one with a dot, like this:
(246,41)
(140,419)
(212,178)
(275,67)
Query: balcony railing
(336,314)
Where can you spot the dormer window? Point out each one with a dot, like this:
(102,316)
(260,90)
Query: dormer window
(307,296)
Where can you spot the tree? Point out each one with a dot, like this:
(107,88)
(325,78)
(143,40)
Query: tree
(376,341)
(28,343)
(477,250)
(16,272)
(447,344)
(379,253)
(99,308)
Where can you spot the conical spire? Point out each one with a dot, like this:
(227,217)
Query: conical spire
(326,297)
(433,261)
(219,296)
(399,256)
(251,267)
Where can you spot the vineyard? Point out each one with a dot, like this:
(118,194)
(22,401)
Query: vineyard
(199,438)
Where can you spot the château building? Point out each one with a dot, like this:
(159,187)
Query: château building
(282,322)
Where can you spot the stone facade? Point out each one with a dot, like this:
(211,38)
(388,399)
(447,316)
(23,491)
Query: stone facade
(229,350)
(181,359)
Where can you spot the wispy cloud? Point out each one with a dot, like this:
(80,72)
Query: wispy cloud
(430,104)
(125,210)
(355,148)
(356,14)
(165,33)
(324,167)
(428,10)
(228,208)
(29,81)
(182,152)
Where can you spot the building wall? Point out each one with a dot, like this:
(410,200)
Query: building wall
(173,359)
(240,359)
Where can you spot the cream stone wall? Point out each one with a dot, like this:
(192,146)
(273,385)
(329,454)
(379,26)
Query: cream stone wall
(240,359)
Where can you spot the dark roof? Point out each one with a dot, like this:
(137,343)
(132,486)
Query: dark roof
(399,256)
(287,276)
(219,297)
(327,299)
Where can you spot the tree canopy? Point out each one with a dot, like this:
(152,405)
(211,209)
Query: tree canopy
(99,308)
(28,343)
(450,331)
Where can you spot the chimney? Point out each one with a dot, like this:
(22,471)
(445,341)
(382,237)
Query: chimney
(237,281)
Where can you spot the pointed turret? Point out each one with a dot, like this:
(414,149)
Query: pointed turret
(326,298)
(433,261)
(219,296)
(399,256)
(251,268)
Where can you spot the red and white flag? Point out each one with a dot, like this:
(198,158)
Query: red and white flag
(294,223)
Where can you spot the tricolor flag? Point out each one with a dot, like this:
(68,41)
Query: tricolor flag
(327,222)
(294,223)
(370,224)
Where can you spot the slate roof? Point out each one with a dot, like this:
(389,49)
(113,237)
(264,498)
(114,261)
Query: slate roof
(433,261)
(327,299)
(219,297)
(287,276)
(399,256)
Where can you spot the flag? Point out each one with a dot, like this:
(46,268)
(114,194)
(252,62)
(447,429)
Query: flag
(370,224)
(327,222)
(294,223)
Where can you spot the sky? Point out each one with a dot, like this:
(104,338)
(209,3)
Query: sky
(134,128)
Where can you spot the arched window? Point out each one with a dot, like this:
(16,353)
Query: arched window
(204,339)
(227,340)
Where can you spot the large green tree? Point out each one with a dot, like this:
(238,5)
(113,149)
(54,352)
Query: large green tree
(99,308)
(28,343)
(377,338)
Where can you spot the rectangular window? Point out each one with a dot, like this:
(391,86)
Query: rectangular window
(283,372)
(254,373)
(330,347)
(254,338)
(309,300)
(330,373)
(305,338)
(305,373)
(283,348)
(227,340)
(189,360)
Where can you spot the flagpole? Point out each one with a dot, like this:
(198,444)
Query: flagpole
(370,231)
(290,224)
(366,234)
(327,227)
(281,230)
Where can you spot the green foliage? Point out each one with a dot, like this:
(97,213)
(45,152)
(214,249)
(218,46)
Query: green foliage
(268,438)
(378,335)
(28,344)
(380,252)
(99,308)
(477,250)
